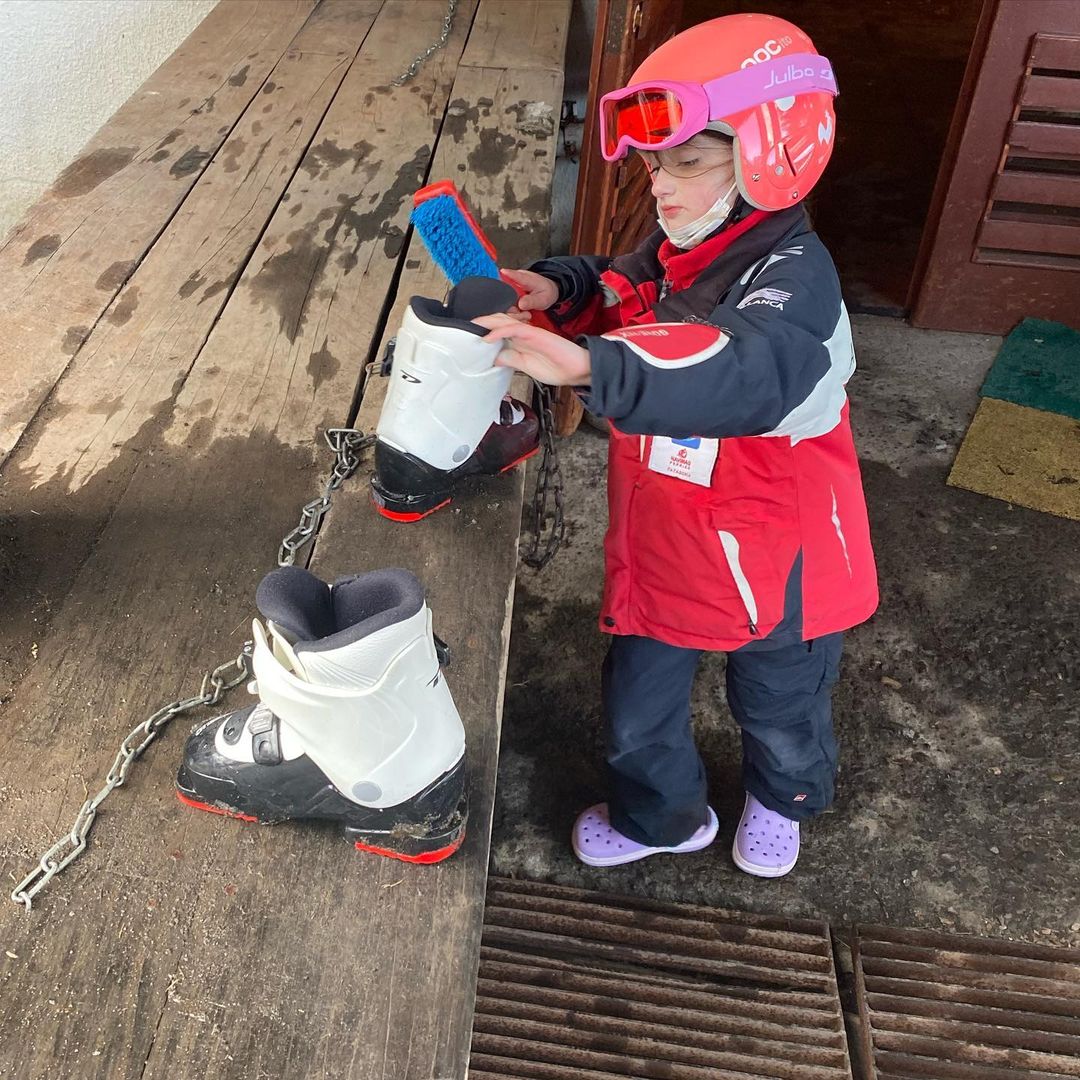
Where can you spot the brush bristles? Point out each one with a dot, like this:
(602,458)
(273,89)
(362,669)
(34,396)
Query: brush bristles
(451,241)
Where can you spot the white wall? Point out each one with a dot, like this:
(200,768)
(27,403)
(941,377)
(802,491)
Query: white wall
(65,67)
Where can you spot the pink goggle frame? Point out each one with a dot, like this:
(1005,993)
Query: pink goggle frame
(784,76)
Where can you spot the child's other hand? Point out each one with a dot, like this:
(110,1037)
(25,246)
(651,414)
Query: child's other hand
(539,293)
(542,355)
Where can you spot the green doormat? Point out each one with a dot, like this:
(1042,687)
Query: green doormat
(1038,366)
(1022,456)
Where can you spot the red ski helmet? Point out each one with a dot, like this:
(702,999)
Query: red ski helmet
(757,78)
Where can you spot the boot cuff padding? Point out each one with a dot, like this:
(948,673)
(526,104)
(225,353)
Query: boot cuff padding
(472,296)
(323,617)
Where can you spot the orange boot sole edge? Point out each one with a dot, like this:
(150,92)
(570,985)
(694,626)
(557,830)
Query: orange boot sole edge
(424,858)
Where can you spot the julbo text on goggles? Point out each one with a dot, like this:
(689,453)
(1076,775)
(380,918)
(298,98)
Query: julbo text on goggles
(663,112)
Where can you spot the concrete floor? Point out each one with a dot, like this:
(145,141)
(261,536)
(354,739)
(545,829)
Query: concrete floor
(958,803)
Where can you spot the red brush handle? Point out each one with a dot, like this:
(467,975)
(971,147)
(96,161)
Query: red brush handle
(447,187)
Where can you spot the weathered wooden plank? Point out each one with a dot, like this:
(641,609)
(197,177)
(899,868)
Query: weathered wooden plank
(499,148)
(155,328)
(296,960)
(167,590)
(400,1006)
(72,1013)
(64,262)
(65,478)
(267,380)
(166,593)
(519,35)
(289,348)
(376,953)
(1052,93)
(1017,234)
(1049,189)
(1053,141)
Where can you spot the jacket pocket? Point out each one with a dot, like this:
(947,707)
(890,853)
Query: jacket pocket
(731,553)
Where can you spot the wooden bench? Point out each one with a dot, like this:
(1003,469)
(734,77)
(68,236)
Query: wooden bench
(195,299)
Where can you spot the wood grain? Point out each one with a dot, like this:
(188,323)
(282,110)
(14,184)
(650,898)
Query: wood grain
(518,35)
(134,360)
(66,477)
(64,262)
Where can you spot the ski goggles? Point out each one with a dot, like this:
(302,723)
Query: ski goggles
(664,112)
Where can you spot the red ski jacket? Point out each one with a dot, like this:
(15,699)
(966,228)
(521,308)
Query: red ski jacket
(736,509)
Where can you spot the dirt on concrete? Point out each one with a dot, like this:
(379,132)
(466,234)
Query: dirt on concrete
(957,710)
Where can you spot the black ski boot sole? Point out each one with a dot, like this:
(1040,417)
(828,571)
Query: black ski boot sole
(410,843)
(404,488)
(426,829)
(409,508)
(424,842)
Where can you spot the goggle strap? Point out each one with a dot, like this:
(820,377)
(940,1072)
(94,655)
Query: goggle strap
(797,73)
(783,76)
(753,85)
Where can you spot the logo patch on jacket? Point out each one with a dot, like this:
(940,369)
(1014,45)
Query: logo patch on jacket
(772,297)
(685,459)
(671,344)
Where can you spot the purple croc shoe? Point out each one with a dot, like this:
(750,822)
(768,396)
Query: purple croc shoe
(597,843)
(766,843)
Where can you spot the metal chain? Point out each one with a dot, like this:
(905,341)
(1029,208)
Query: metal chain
(214,686)
(347,444)
(414,67)
(549,485)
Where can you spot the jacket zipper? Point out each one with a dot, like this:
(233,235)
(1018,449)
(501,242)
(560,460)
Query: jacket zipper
(631,576)
(731,554)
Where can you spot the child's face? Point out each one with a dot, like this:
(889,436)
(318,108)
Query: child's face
(682,199)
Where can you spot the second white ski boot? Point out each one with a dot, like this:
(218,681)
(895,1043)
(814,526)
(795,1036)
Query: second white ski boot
(354,723)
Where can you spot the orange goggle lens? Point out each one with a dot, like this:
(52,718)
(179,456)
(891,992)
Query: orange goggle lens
(646,118)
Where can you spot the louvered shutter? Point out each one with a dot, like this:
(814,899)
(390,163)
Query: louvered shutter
(1004,239)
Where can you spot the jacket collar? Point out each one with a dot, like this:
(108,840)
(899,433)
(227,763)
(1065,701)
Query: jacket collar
(681,268)
(699,278)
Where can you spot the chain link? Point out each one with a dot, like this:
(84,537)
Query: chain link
(549,485)
(347,444)
(414,67)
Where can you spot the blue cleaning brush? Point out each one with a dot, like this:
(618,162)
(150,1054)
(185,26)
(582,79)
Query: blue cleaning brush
(451,234)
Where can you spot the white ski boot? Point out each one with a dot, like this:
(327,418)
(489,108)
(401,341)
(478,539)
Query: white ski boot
(446,417)
(355,722)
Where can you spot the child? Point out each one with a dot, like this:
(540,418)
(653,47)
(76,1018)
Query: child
(719,351)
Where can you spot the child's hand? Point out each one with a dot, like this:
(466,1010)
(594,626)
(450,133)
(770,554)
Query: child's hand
(541,354)
(539,294)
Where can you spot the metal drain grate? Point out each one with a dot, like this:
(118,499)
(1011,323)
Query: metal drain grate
(952,1007)
(577,985)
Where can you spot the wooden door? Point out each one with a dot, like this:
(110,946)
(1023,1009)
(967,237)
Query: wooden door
(1003,234)
(614,209)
